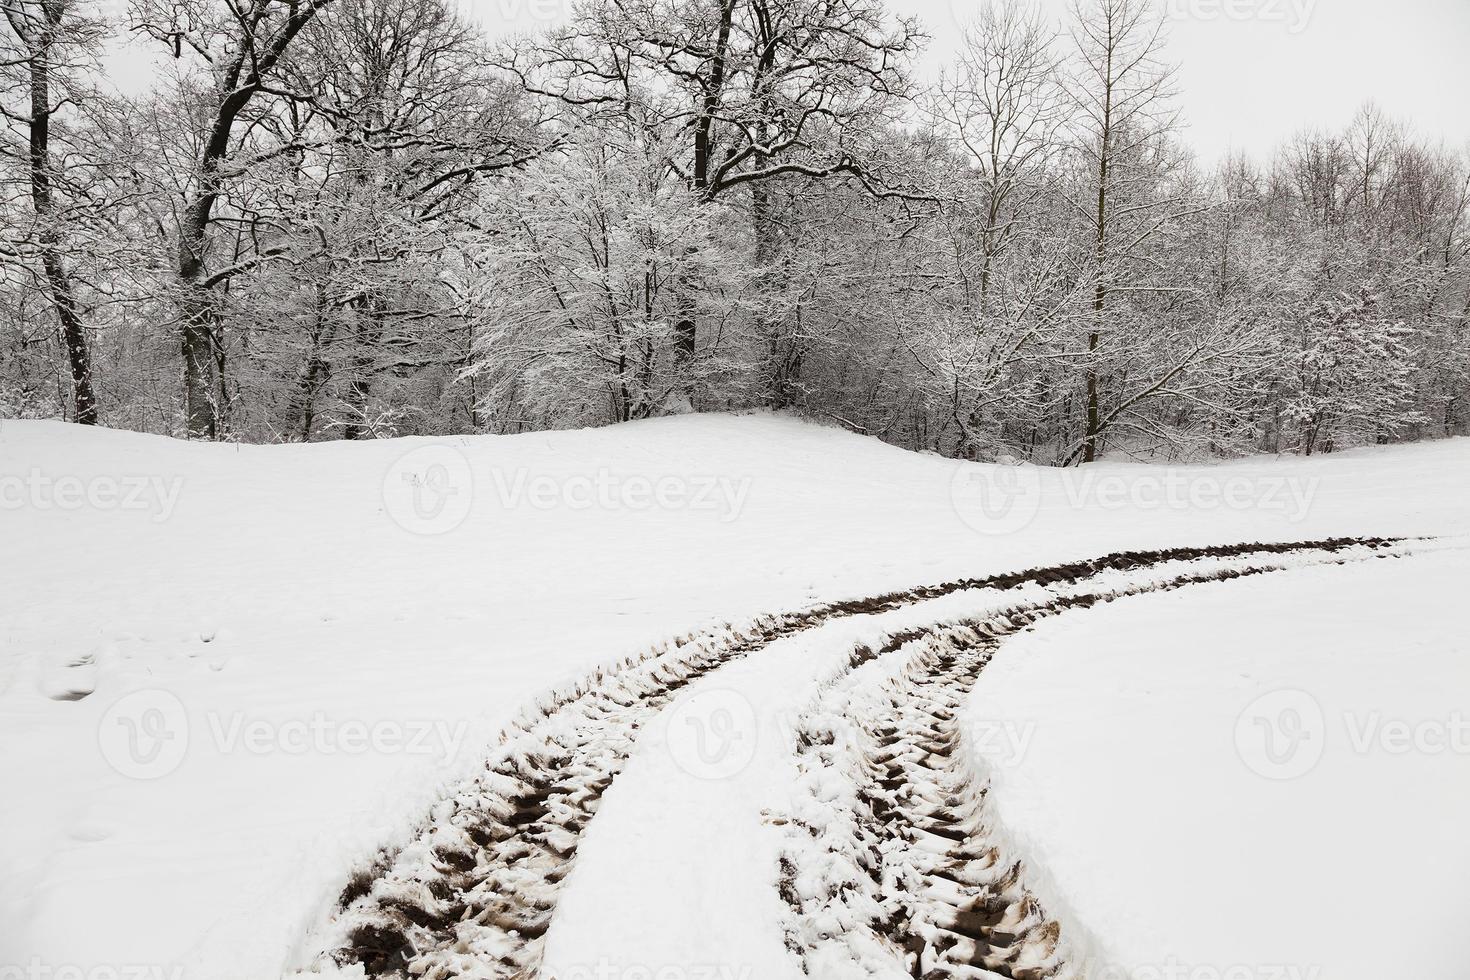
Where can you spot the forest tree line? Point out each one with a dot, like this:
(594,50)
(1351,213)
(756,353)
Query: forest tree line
(362,218)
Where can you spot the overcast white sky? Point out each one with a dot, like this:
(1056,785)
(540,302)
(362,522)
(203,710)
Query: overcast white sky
(1253,71)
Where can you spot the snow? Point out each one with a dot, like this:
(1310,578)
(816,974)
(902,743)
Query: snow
(691,826)
(331,656)
(1339,857)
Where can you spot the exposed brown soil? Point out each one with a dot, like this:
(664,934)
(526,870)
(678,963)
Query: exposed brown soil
(953,902)
(514,842)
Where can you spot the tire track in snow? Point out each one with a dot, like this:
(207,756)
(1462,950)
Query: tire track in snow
(896,867)
(472,894)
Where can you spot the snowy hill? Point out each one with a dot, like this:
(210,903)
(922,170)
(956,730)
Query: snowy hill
(312,644)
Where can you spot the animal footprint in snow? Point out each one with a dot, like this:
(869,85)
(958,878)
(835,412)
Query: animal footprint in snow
(71,681)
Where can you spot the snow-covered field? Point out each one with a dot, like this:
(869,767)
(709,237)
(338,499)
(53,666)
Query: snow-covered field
(229,675)
(1267,775)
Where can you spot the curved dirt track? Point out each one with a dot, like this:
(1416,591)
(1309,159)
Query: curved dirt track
(905,872)
(472,895)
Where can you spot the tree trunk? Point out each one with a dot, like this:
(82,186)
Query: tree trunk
(781,362)
(58,281)
(237,84)
(1089,449)
(372,313)
(1100,289)
(686,330)
(73,334)
(314,375)
(197,331)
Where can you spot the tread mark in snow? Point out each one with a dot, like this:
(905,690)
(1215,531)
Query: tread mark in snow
(908,873)
(472,895)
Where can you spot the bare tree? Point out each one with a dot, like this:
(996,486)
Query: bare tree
(406,120)
(242,44)
(760,90)
(1372,142)
(1003,104)
(45,32)
(1123,95)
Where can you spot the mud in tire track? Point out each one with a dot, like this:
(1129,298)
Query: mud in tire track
(908,873)
(472,894)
